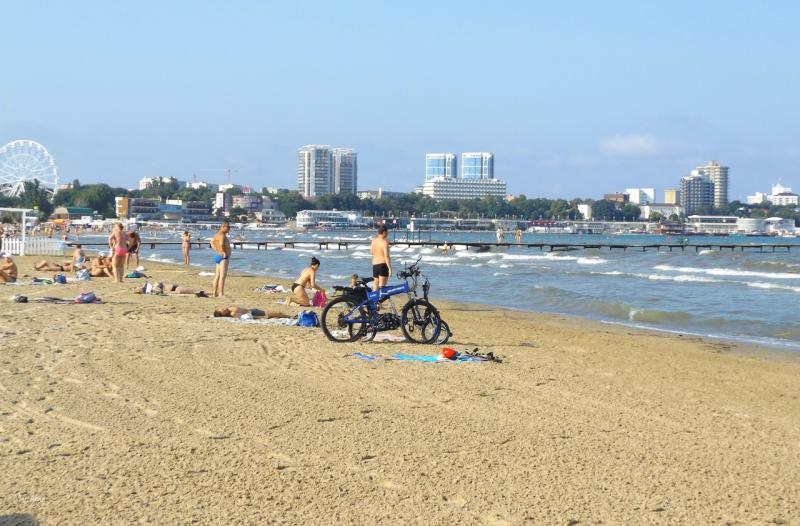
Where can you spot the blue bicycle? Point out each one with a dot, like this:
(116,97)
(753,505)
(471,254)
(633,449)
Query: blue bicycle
(357,313)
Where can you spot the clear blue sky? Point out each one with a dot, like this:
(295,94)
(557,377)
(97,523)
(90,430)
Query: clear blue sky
(575,98)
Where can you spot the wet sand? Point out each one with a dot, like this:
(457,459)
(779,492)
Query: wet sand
(144,410)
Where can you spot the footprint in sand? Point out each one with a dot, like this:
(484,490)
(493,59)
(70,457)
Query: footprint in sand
(388,484)
(455,501)
(494,520)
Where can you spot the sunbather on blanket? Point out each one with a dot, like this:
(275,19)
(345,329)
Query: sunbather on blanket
(237,312)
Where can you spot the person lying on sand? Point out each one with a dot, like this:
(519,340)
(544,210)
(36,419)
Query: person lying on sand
(237,312)
(52,266)
(174,290)
(8,270)
(308,278)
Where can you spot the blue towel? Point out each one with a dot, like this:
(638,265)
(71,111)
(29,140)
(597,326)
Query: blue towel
(414,358)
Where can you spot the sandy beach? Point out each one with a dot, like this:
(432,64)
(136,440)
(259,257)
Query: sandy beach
(142,409)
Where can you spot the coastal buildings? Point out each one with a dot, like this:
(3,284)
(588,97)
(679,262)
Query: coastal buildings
(142,209)
(144,182)
(780,196)
(616,197)
(251,202)
(665,210)
(329,219)
(477,165)
(321,170)
(477,176)
(641,196)
(672,196)
(696,192)
(345,170)
(440,165)
(719,178)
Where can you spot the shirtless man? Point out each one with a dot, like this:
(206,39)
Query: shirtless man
(308,278)
(186,246)
(237,312)
(100,268)
(8,270)
(134,244)
(51,266)
(222,248)
(118,241)
(381,261)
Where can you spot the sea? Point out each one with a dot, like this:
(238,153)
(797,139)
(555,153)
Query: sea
(745,296)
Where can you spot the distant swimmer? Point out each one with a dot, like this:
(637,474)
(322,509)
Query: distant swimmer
(381,261)
(445,249)
(518,235)
(307,279)
(221,245)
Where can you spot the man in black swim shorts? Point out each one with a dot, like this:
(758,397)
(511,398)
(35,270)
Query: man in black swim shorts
(381,261)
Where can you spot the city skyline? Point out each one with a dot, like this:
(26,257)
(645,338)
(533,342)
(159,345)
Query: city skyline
(574,101)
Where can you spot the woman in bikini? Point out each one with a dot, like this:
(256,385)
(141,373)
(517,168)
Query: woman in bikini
(118,241)
(308,278)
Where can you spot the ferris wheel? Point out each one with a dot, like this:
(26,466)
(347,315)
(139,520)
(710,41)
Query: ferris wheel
(25,161)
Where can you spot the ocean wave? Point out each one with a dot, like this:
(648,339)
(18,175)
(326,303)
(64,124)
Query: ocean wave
(591,261)
(729,272)
(774,286)
(501,274)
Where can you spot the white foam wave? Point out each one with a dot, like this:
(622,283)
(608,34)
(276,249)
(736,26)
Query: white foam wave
(775,286)
(729,272)
(591,261)
(501,274)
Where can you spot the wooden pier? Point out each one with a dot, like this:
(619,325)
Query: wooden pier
(485,247)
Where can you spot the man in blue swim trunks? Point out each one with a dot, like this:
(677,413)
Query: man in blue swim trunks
(222,254)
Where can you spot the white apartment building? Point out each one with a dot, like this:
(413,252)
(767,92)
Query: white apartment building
(780,196)
(664,209)
(641,196)
(757,198)
(456,188)
(144,182)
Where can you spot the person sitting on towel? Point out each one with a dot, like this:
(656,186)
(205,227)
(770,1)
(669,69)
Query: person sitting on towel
(237,312)
(101,267)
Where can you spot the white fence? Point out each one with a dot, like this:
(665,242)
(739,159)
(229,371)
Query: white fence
(40,246)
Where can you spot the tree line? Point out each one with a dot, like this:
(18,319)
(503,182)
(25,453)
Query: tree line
(100,198)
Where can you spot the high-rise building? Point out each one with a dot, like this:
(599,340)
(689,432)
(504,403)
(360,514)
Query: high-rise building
(697,191)
(719,178)
(477,165)
(314,170)
(440,165)
(672,196)
(345,171)
(641,196)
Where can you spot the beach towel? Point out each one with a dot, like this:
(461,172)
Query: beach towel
(272,289)
(287,322)
(415,358)
(87,297)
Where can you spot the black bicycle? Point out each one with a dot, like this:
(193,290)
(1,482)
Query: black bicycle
(357,313)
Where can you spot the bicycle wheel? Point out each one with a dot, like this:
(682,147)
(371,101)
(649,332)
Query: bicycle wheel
(444,333)
(420,322)
(343,321)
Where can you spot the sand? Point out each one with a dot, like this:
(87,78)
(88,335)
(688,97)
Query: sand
(144,410)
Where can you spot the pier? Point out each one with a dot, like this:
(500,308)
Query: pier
(484,247)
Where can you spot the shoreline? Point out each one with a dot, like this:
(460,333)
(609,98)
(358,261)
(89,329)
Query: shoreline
(744,341)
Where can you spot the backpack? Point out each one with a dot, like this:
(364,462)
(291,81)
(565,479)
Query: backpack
(308,318)
(61,279)
(320,299)
(83,275)
(87,297)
